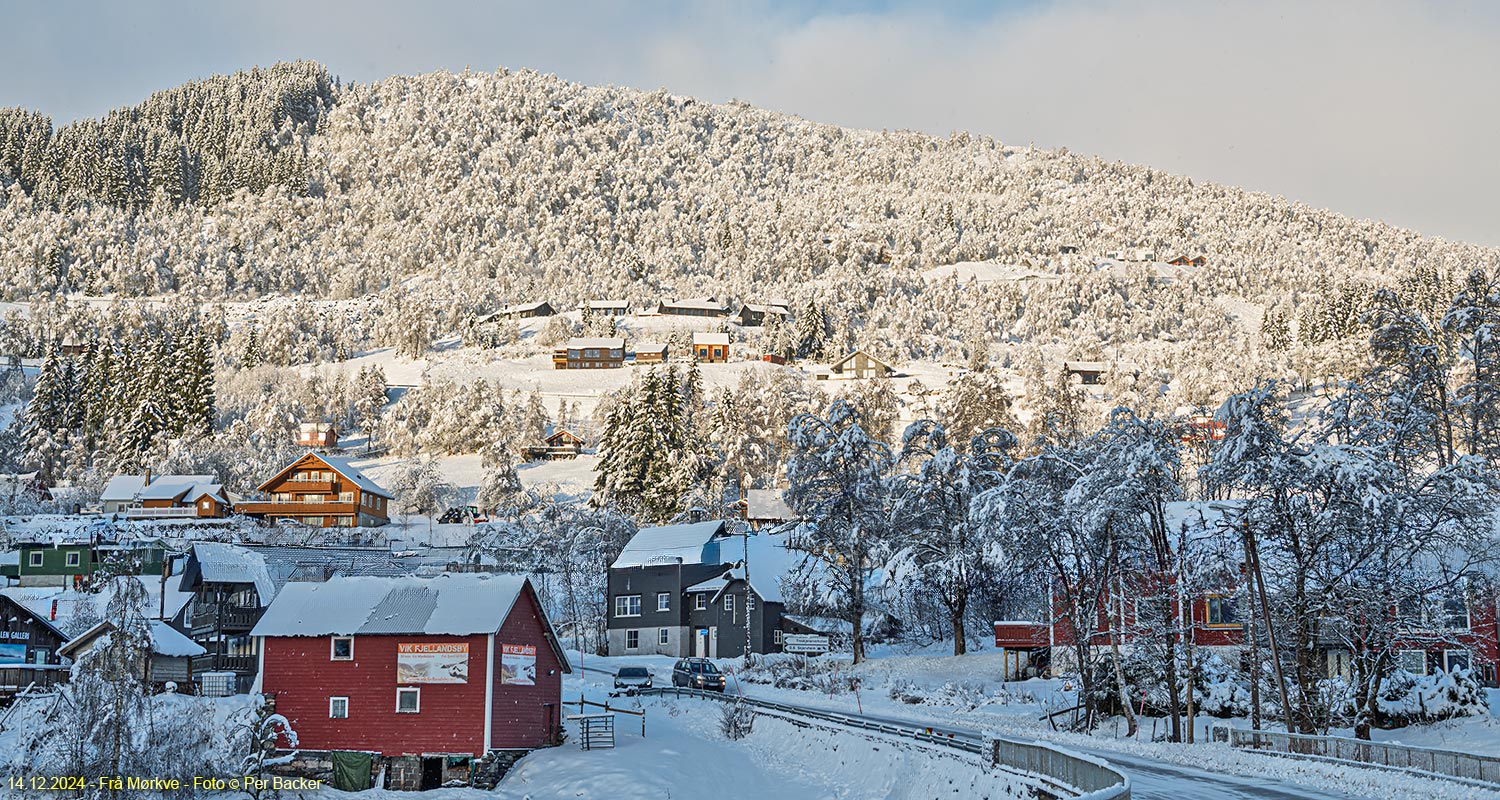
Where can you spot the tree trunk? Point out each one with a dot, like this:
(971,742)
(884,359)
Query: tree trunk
(1125,699)
(960,636)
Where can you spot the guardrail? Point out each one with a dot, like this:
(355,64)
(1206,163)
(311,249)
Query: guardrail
(1063,774)
(1452,764)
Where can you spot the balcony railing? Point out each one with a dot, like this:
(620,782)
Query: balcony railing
(159,513)
(233,618)
(293,508)
(214,662)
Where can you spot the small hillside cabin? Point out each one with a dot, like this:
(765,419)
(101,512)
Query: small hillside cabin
(692,307)
(651,353)
(1188,261)
(753,315)
(858,364)
(600,352)
(1067,249)
(540,308)
(172,652)
(321,491)
(711,348)
(606,308)
(774,358)
(562,443)
(317,435)
(71,559)
(148,496)
(1089,373)
(428,674)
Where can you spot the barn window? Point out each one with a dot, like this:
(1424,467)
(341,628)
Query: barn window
(408,701)
(341,649)
(338,708)
(1222,611)
(73,558)
(632,640)
(35,559)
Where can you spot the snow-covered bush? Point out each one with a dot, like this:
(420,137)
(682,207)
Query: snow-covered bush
(799,672)
(953,694)
(1408,699)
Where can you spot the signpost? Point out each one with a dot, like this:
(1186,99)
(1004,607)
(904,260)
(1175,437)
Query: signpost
(808,643)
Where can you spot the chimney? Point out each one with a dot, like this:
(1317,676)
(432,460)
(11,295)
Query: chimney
(147,475)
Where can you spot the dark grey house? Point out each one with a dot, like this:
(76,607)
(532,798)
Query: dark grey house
(681,590)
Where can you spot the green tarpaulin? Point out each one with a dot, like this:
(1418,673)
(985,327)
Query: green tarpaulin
(351,771)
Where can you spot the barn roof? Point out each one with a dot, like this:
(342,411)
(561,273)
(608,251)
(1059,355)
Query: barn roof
(449,604)
(694,543)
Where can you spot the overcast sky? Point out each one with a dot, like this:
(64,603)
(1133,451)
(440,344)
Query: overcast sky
(1374,109)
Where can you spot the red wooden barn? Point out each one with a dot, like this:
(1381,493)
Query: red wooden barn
(430,673)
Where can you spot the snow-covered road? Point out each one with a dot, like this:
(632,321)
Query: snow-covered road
(1150,779)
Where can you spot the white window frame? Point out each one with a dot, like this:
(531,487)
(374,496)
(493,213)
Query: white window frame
(400,690)
(333,648)
(635,636)
(332,701)
(700,602)
(1468,616)
(1401,659)
(776,636)
(1450,651)
(749,600)
(35,559)
(623,604)
(663,636)
(729,602)
(663,601)
(72,558)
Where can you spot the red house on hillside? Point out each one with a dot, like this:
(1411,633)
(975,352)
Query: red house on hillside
(432,674)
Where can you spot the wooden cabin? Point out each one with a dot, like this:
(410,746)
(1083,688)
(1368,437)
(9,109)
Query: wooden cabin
(317,435)
(651,353)
(563,443)
(858,364)
(693,307)
(323,492)
(601,352)
(711,348)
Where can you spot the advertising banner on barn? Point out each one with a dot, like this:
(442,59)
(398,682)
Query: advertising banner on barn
(518,664)
(432,662)
(12,654)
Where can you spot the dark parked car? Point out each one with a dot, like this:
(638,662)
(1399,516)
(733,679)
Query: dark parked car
(697,673)
(632,678)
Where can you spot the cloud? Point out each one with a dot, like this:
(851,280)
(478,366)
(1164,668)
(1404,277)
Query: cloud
(1372,109)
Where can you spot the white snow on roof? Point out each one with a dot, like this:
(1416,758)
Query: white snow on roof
(767,309)
(600,342)
(170,487)
(605,304)
(651,347)
(709,303)
(767,504)
(521,308)
(122,488)
(694,543)
(700,337)
(343,467)
(168,641)
(226,563)
(457,605)
(770,562)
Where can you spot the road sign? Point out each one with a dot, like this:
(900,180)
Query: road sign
(811,643)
